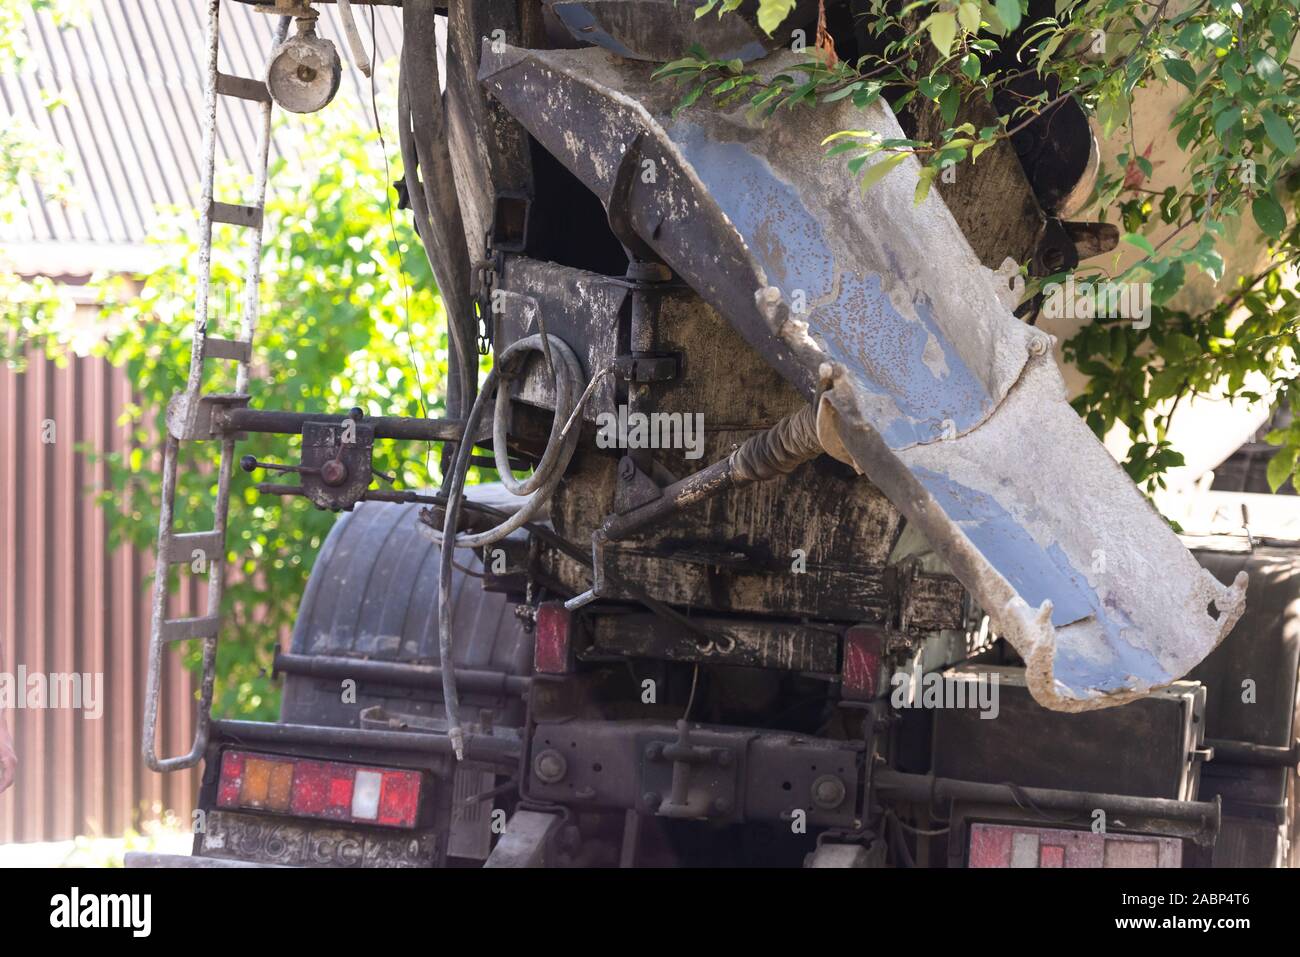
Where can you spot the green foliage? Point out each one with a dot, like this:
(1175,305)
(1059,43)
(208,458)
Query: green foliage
(340,327)
(1238,349)
(30,311)
(25,151)
(1236,123)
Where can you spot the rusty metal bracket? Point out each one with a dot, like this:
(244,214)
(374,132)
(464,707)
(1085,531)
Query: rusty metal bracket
(635,488)
(648,367)
(340,457)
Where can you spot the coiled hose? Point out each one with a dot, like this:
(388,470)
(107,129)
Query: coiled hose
(539,487)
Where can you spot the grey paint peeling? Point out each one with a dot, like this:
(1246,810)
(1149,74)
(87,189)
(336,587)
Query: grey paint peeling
(926,385)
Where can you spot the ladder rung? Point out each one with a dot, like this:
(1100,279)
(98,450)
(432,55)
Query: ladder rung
(182,629)
(179,549)
(218,348)
(242,87)
(237,215)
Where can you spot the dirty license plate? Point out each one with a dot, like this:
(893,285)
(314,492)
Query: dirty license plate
(296,843)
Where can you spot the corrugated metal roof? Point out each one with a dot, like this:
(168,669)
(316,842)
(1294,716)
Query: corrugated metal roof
(131,78)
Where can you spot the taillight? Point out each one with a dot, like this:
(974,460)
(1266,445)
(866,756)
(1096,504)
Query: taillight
(864,654)
(553,639)
(323,789)
(1013,845)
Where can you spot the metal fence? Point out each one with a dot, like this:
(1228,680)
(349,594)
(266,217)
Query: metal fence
(69,603)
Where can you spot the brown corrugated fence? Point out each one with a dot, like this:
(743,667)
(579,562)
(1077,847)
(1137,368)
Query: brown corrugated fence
(70,604)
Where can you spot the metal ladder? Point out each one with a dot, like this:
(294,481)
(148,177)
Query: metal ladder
(189,415)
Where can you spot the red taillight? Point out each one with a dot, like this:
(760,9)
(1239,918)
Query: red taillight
(323,789)
(860,672)
(400,798)
(552,647)
(1013,845)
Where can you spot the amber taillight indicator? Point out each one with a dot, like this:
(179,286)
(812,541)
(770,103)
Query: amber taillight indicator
(322,789)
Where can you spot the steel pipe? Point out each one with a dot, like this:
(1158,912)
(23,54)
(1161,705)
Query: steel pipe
(478,747)
(399,673)
(922,788)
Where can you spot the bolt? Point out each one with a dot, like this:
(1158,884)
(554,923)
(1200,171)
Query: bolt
(721,805)
(333,472)
(626,469)
(550,766)
(1037,345)
(654,751)
(828,792)
(651,800)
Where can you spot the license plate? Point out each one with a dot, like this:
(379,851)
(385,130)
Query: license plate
(296,843)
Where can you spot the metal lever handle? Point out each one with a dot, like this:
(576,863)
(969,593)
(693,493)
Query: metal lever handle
(248,463)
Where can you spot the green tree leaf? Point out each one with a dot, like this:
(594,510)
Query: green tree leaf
(1181,71)
(923,183)
(1279,131)
(772,13)
(943,30)
(1269,215)
(1281,467)
(968,12)
(1009,13)
(877,171)
(1140,241)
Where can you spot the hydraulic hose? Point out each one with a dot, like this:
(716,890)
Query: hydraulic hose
(431,187)
(539,487)
(358,48)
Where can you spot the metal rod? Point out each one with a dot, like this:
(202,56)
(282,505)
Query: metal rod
(385,426)
(253,253)
(922,788)
(694,488)
(769,454)
(478,747)
(422,128)
(399,673)
(208,121)
(1259,755)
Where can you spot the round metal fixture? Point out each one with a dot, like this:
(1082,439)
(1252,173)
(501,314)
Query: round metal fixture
(304,71)
(550,767)
(828,792)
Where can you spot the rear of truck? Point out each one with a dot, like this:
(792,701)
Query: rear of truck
(838,605)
